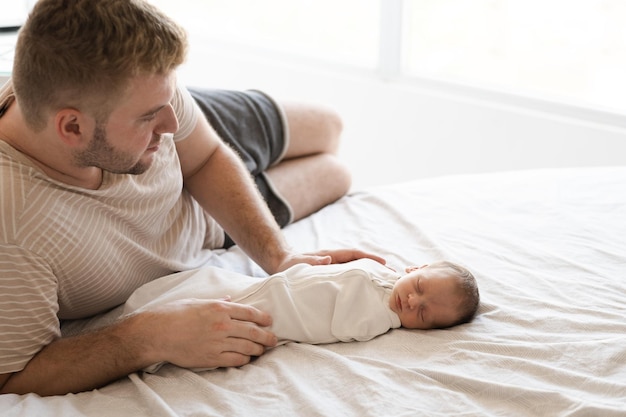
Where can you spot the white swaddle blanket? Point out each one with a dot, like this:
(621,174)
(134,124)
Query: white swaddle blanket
(311,304)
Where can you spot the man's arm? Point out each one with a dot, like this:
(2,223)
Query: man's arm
(219,181)
(189,333)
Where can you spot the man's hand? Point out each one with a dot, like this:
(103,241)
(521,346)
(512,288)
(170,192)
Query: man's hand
(189,333)
(206,334)
(325,257)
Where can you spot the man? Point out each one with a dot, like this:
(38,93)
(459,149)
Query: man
(98,196)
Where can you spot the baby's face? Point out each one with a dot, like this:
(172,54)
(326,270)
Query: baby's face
(426,298)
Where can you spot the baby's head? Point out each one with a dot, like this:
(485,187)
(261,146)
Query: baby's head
(441,294)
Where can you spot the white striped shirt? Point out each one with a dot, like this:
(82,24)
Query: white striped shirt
(68,252)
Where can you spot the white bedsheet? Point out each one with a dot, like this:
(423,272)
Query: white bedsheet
(549,251)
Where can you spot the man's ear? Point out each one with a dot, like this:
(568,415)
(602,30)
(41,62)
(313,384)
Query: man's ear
(70,125)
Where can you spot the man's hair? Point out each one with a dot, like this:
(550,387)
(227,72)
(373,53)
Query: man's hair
(468,288)
(82,53)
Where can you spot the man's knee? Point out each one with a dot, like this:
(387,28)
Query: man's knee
(333,124)
(313,129)
(338,176)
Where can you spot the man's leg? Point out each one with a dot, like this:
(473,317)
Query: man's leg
(310,176)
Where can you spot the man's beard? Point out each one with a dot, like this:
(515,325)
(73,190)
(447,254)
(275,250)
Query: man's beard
(101,154)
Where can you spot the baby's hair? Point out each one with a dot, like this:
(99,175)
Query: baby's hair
(468,288)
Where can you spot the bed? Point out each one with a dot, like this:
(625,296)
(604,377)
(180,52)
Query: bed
(548,248)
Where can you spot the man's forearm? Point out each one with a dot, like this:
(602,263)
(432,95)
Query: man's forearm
(189,333)
(83,362)
(224,190)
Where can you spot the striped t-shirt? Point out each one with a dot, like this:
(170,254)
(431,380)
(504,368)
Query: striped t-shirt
(68,252)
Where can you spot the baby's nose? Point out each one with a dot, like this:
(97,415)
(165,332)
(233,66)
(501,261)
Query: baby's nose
(413,301)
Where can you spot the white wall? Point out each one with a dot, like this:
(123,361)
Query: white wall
(397,131)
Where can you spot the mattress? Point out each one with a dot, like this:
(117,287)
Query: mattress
(548,248)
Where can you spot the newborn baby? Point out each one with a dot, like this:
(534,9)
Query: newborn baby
(358,300)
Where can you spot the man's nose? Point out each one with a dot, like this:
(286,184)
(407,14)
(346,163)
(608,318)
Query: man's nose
(168,122)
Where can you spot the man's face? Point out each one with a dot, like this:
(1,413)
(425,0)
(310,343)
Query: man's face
(126,144)
(426,298)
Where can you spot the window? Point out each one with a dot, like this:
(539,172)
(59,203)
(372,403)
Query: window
(567,50)
(13,14)
(556,49)
(344,31)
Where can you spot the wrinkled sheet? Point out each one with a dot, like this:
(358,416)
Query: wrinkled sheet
(548,248)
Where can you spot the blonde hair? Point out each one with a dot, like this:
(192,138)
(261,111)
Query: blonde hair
(82,53)
(468,289)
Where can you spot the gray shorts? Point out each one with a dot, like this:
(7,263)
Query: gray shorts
(255,128)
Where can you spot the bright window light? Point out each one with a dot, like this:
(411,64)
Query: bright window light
(345,31)
(564,50)
(13,13)
(568,50)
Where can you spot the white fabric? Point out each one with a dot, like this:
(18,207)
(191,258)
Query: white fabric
(548,249)
(312,304)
